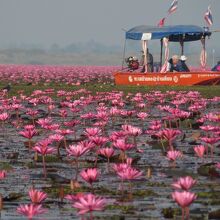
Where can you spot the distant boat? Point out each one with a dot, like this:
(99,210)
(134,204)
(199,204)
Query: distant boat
(134,75)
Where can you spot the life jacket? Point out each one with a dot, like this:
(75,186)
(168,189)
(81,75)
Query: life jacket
(174,68)
(135,65)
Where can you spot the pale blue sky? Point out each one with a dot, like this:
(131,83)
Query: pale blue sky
(44,22)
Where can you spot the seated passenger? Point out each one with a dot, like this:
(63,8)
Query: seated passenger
(183,66)
(216,68)
(173,64)
(170,63)
(133,63)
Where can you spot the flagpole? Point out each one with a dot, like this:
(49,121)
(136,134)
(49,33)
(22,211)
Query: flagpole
(161,53)
(171,20)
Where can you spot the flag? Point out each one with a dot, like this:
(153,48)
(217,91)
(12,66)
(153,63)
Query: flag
(173,7)
(208,16)
(161,22)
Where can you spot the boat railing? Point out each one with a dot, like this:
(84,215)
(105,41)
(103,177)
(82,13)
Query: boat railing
(193,69)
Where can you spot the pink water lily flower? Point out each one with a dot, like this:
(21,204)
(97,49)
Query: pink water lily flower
(184,200)
(200,150)
(28,133)
(120,167)
(44,149)
(90,175)
(208,128)
(2,174)
(31,210)
(129,173)
(89,203)
(64,132)
(37,196)
(184,183)
(142,115)
(91,132)
(211,141)
(4,116)
(87,144)
(44,122)
(99,140)
(170,135)
(174,154)
(56,137)
(107,152)
(131,130)
(74,198)
(76,150)
(122,145)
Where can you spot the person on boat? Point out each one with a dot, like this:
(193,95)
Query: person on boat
(174,64)
(170,63)
(216,68)
(132,62)
(135,63)
(182,63)
(150,62)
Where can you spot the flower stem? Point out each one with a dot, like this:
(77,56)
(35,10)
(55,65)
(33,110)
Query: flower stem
(91,216)
(77,168)
(108,164)
(183,214)
(58,149)
(44,166)
(1,203)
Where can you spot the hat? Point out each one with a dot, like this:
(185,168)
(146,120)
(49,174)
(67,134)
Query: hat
(175,57)
(183,58)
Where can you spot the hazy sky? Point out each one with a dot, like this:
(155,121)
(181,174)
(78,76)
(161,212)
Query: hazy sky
(44,22)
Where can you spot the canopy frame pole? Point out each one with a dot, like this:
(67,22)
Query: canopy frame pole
(161,53)
(144,45)
(124,50)
(182,46)
(205,51)
(166,56)
(203,58)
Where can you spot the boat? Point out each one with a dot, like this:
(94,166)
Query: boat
(166,34)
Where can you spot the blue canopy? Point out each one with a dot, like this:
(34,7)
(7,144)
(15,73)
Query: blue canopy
(174,33)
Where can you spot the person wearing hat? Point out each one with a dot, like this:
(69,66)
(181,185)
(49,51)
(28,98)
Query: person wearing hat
(173,64)
(176,64)
(183,66)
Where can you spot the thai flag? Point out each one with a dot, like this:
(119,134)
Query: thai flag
(173,7)
(208,16)
(161,22)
